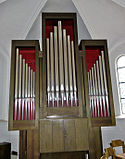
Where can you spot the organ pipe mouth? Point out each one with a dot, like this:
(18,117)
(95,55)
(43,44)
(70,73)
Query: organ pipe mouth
(62,116)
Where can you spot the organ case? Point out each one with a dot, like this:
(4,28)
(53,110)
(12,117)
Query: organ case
(60,67)
(65,103)
(24,85)
(98,82)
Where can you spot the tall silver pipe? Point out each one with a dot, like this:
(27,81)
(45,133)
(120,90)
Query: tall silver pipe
(16,81)
(48,72)
(74,73)
(33,83)
(70,69)
(89,86)
(29,82)
(29,93)
(99,87)
(66,65)
(96,89)
(23,79)
(105,82)
(20,74)
(17,72)
(20,80)
(56,64)
(88,77)
(102,84)
(33,95)
(23,88)
(61,71)
(94,98)
(91,94)
(26,92)
(52,66)
(26,82)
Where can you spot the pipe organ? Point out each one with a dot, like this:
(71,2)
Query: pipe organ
(62,95)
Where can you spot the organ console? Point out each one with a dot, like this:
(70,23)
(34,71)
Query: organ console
(61,96)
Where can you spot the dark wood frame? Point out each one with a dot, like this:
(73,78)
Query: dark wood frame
(23,124)
(44,111)
(100,121)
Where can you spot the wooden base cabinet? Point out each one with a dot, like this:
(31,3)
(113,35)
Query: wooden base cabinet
(64,138)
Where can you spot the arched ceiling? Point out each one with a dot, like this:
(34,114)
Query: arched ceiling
(103,19)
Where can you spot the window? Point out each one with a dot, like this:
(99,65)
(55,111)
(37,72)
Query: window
(121,81)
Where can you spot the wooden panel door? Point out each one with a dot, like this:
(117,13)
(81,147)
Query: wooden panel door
(64,135)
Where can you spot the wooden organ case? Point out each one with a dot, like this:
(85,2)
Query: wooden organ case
(60,96)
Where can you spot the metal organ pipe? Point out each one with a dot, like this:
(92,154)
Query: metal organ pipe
(56,65)
(93,92)
(33,84)
(16,82)
(105,84)
(99,88)
(90,92)
(96,90)
(52,66)
(20,79)
(61,72)
(66,65)
(70,70)
(48,72)
(17,71)
(26,92)
(33,94)
(23,88)
(31,106)
(102,86)
(29,81)
(74,73)
(29,93)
